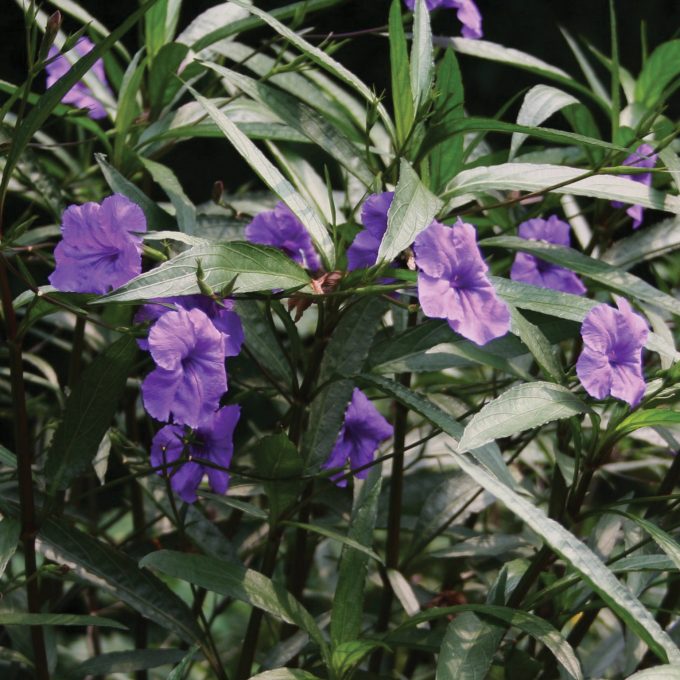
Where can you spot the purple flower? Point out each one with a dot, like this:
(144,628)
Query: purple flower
(79,95)
(642,157)
(532,270)
(611,360)
(223,316)
(211,443)
(364,249)
(361,433)
(468,14)
(282,229)
(452,283)
(99,250)
(190,376)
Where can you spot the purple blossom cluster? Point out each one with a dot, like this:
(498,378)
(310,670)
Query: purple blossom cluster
(532,270)
(80,95)
(642,157)
(362,432)
(467,12)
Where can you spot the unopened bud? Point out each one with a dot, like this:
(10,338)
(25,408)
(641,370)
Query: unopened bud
(217,191)
(51,30)
(200,280)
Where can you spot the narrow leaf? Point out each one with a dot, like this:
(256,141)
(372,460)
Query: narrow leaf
(26,619)
(422,64)
(400,73)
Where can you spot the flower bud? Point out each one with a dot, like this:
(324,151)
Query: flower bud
(217,191)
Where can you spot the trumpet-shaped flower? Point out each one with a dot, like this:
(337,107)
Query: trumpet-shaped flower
(208,450)
(468,14)
(99,249)
(611,360)
(79,95)
(642,157)
(190,376)
(453,285)
(282,229)
(361,433)
(223,316)
(530,269)
(364,249)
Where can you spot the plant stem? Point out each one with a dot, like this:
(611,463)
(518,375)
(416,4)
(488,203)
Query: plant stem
(29,524)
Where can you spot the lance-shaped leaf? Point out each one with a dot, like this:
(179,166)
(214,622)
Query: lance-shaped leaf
(603,273)
(520,408)
(581,558)
(89,410)
(562,180)
(254,266)
(112,570)
(422,64)
(540,102)
(26,619)
(413,209)
(270,175)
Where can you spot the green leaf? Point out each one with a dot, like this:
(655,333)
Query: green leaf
(156,218)
(48,101)
(305,120)
(658,673)
(400,74)
(446,159)
(488,455)
(605,274)
(468,648)
(660,70)
(652,418)
(588,71)
(228,501)
(163,81)
(539,103)
(232,580)
(257,268)
(89,410)
(546,178)
(180,670)
(185,211)
(10,531)
(127,662)
(272,178)
(539,346)
(512,57)
(347,613)
(580,558)
(324,60)
(285,674)
(26,619)
(261,340)
(281,464)
(113,571)
(422,64)
(334,536)
(201,37)
(343,357)
(520,408)
(411,211)
(128,106)
(348,655)
(645,244)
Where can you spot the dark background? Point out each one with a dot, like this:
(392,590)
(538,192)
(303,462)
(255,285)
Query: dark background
(529,25)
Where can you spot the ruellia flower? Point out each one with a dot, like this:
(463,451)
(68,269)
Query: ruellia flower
(223,316)
(203,451)
(453,285)
(530,269)
(468,14)
(283,230)
(79,95)
(361,433)
(99,249)
(364,249)
(611,360)
(190,376)
(642,157)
